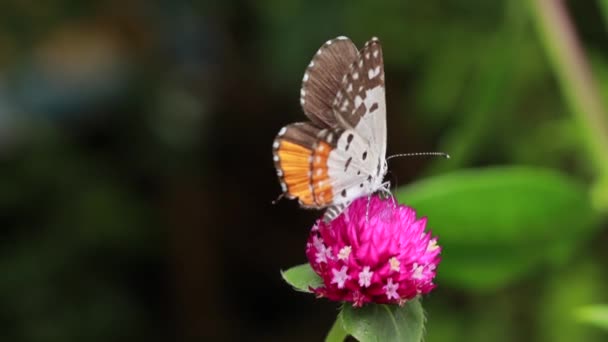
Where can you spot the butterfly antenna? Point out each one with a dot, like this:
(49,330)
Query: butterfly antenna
(418,154)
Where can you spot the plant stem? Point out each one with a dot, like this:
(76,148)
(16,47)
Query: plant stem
(576,81)
(604,8)
(337,332)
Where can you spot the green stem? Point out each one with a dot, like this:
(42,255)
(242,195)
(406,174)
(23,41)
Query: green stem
(577,84)
(604,8)
(337,332)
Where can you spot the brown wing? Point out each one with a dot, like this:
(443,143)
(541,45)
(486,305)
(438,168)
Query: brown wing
(323,78)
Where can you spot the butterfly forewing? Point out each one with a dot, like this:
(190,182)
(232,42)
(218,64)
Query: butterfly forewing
(323,78)
(360,102)
(356,166)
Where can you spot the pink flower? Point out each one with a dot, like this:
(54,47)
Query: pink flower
(386,259)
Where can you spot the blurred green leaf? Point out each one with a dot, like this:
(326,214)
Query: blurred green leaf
(375,322)
(562,294)
(594,314)
(302,277)
(497,224)
(471,320)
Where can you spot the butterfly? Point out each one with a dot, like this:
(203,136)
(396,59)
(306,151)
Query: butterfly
(339,155)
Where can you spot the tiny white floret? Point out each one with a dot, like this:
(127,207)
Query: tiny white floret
(365,277)
(340,277)
(395,264)
(391,289)
(417,271)
(344,252)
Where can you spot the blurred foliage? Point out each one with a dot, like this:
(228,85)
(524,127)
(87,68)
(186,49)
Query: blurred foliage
(531,219)
(594,314)
(136,171)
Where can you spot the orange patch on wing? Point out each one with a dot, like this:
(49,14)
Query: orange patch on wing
(294,161)
(323,192)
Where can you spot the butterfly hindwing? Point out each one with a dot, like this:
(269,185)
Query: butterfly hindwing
(293,150)
(354,170)
(323,78)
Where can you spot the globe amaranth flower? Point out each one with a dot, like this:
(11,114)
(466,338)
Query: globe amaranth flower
(385,256)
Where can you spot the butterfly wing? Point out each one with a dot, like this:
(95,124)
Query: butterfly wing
(323,79)
(339,156)
(360,102)
(322,167)
(301,154)
(293,151)
(356,166)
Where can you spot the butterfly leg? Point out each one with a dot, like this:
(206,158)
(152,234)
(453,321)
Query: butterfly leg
(369,199)
(385,189)
(280,197)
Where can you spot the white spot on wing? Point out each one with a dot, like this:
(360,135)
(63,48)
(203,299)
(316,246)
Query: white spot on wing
(373,72)
(355,75)
(367,55)
(312,63)
(275,158)
(375,53)
(349,88)
(342,38)
(358,101)
(282,131)
(302,101)
(275,144)
(305,78)
(339,97)
(328,42)
(344,105)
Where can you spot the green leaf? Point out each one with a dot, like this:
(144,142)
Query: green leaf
(379,322)
(562,293)
(498,224)
(302,277)
(594,314)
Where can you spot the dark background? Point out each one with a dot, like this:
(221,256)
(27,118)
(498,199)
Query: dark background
(136,174)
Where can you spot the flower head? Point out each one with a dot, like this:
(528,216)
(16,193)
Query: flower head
(383,257)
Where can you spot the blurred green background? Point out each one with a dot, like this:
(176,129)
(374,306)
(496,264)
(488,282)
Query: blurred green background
(136,173)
